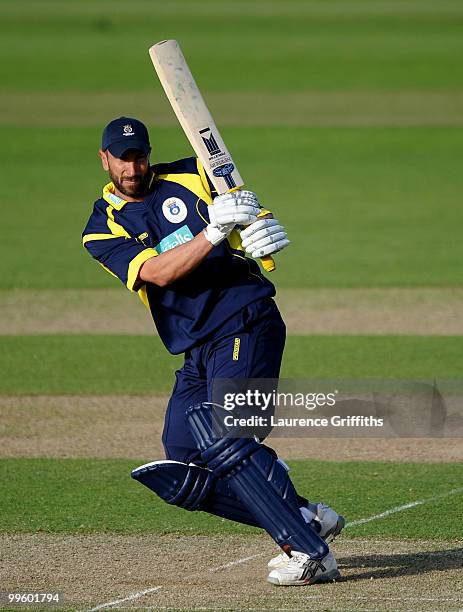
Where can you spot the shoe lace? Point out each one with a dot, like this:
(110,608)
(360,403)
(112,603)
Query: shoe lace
(298,559)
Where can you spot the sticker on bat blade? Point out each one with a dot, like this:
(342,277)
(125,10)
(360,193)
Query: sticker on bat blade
(225,172)
(210,141)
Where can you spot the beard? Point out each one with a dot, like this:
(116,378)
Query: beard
(134,186)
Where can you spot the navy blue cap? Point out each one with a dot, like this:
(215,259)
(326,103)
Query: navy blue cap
(123,134)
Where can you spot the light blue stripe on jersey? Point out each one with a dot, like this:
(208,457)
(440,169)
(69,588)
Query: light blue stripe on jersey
(180,236)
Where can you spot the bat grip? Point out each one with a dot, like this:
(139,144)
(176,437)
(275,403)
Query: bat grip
(268,263)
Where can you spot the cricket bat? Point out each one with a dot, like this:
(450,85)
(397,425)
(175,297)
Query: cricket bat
(196,120)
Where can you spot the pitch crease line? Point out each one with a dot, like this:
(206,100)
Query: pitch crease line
(374,517)
(131,597)
(139,594)
(418,502)
(237,562)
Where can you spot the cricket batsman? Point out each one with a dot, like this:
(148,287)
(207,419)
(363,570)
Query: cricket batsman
(164,232)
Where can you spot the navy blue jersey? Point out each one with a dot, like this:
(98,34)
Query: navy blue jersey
(123,235)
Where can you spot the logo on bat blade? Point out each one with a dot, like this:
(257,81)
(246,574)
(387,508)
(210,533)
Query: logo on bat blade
(210,141)
(225,171)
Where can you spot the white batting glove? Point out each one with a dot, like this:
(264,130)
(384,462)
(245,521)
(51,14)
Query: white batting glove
(264,237)
(228,210)
(240,207)
(215,234)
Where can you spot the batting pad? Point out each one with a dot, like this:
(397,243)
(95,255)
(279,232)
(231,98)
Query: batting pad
(193,488)
(258,480)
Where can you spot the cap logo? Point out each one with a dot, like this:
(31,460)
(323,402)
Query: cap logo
(128,130)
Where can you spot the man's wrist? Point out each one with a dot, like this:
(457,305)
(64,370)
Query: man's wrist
(215,235)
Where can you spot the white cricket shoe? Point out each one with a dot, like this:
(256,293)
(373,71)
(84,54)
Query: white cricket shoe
(331,525)
(300,569)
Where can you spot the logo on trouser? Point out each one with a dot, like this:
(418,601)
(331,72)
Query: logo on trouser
(236,349)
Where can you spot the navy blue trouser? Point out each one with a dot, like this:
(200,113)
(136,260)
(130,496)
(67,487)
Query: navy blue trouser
(261,334)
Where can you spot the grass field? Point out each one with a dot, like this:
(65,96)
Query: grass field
(346,117)
(140,364)
(60,501)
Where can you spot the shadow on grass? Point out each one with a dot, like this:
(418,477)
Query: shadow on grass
(406,564)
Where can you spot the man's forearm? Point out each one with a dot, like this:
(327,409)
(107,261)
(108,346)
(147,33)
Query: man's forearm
(172,265)
(227,210)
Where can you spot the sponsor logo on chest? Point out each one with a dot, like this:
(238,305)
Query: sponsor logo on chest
(180,236)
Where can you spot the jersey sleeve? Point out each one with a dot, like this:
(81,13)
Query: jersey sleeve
(118,253)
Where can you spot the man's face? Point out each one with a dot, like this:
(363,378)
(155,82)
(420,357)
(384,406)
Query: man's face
(130,174)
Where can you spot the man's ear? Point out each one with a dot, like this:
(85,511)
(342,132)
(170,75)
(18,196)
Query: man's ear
(104,159)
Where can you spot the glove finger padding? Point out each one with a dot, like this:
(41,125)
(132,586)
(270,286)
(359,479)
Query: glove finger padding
(266,232)
(264,237)
(264,241)
(257,226)
(242,216)
(245,193)
(232,208)
(271,248)
(247,197)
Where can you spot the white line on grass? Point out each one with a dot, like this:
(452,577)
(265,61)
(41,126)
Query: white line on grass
(139,594)
(233,563)
(131,597)
(418,502)
(374,517)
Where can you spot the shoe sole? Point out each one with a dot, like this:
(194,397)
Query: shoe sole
(330,576)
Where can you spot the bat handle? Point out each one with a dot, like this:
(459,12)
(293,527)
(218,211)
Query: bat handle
(268,263)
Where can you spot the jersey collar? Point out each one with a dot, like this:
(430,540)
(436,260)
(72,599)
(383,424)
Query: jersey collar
(110,196)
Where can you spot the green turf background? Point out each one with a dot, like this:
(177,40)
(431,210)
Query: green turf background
(140,364)
(264,44)
(81,495)
(364,206)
